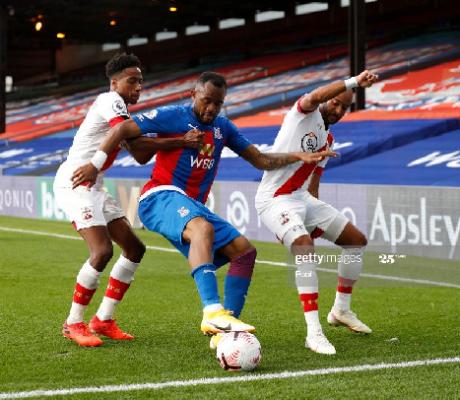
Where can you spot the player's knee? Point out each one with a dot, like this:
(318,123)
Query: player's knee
(139,250)
(303,240)
(101,256)
(243,264)
(301,245)
(200,227)
(359,240)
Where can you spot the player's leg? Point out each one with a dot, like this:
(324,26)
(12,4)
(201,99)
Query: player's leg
(200,233)
(242,255)
(120,279)
(328,222)
(350,266)
(306,280)
(185,223)
(285,218)
(100,248)
(84,208)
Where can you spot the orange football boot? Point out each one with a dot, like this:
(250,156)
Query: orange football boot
(80,334)
(108,328)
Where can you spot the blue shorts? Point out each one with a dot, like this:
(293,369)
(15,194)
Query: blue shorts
(167,212)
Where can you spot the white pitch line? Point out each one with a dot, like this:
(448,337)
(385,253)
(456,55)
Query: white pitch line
(275,263)
(233,379)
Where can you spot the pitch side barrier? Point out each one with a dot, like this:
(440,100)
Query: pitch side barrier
(397,220)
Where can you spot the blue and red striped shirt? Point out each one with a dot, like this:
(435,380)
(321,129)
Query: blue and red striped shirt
(192,170)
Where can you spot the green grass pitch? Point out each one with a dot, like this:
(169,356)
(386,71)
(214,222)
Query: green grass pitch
(162,310)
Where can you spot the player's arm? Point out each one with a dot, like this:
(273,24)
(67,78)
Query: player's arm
(310,101)
(124,131)
(271,161)
(143,148)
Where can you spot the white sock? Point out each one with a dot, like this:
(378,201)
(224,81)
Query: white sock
(350,268)
(123,271)
(312,320)
(306,281)
(88,277)
(342,301)
(213,308)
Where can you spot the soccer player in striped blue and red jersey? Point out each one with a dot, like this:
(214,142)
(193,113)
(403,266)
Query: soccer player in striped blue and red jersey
(172,201)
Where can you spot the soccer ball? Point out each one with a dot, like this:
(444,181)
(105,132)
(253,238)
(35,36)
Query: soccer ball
(238,351)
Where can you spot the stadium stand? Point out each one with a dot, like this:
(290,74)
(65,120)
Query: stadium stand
(276,86)
(392,119)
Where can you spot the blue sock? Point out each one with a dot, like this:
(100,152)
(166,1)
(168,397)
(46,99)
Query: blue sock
(206,283)
(235,291)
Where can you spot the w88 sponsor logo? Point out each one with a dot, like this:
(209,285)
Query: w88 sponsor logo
(203,163)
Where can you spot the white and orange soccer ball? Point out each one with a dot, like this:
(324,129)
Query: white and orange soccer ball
(238,351)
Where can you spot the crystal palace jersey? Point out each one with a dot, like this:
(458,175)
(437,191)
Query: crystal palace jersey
(300,131)
(191,170)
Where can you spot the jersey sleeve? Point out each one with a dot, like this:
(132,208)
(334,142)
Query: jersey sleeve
(159,120)
(112,108)
(235,140)
(299,109)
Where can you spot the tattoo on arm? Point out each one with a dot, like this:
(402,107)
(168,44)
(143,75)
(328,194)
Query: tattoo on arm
(267,161)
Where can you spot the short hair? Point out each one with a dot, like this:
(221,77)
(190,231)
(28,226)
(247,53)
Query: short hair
(213,77)
(119,62)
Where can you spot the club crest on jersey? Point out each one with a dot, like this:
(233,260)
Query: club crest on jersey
(151,114)
(309,142)
(119,107)
(183,212)
(284,218)
(217,134)
(207,149)
(87,213)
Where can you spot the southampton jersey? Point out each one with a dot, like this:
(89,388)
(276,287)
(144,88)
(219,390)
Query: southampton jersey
(300,131)
(191,170)
(107,110)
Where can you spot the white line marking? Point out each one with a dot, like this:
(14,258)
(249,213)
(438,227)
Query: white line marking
(233,379)
(275,263)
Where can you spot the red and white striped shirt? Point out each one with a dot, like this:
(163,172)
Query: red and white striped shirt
(107,110)
(300,132)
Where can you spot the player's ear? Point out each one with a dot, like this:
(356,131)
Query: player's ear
(193,93)
(113,83)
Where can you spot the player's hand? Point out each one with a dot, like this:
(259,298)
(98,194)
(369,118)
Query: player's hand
(366,79)
(193,138)
(85,174)
(312,158)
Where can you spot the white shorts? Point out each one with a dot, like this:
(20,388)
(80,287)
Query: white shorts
(86,207)
(301,215)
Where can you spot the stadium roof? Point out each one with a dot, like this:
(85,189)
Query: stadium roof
(88,21)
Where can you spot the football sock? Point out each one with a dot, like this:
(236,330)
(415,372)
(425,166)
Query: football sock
(350,267)
(121,276)
(238,280)
(87,283)
(307,287)
(206,283)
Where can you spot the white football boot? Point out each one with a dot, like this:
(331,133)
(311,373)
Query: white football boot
(317,342)
(347,318)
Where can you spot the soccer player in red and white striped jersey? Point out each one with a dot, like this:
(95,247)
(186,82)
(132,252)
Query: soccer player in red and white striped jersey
(287,202)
